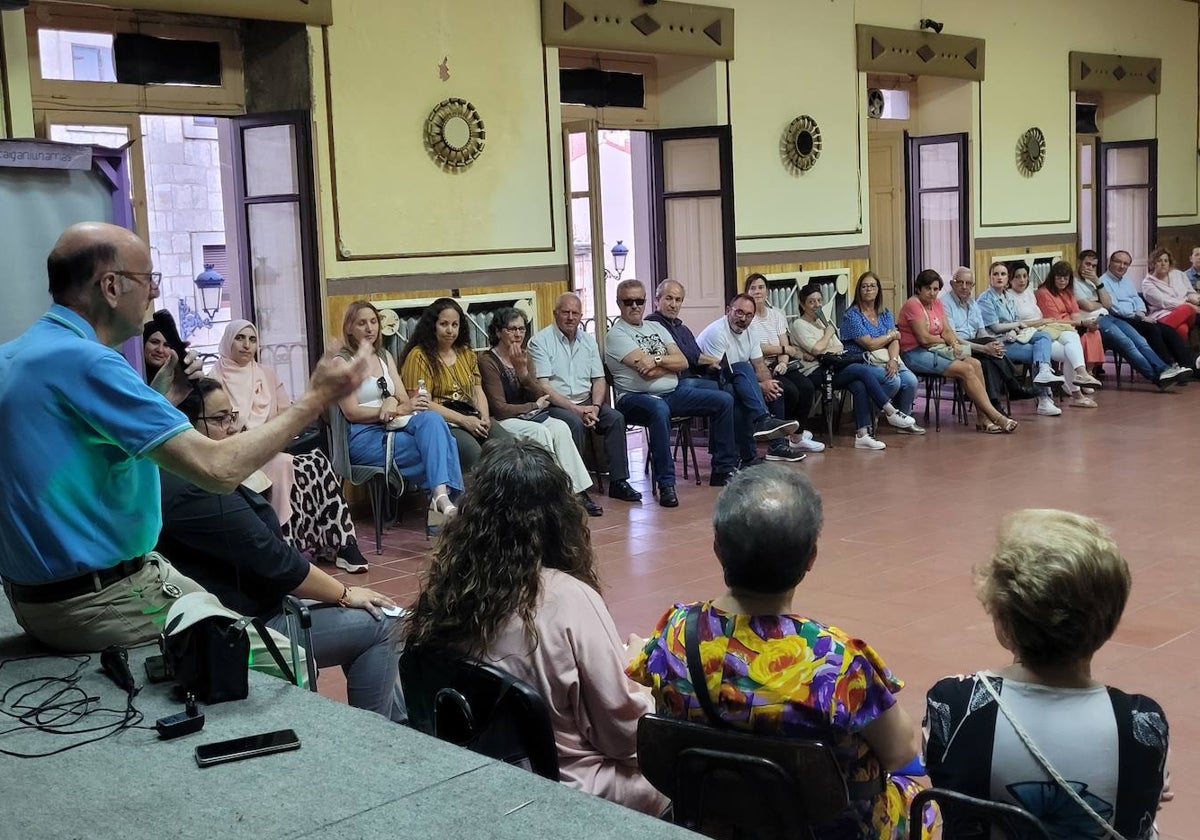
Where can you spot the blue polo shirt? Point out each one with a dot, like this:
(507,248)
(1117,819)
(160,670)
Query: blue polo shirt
(76,420)
(965,318)
(1126,298)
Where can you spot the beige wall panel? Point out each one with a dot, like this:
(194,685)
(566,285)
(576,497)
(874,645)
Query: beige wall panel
(391,199)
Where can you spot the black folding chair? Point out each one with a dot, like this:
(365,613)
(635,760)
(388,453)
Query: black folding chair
(737,784)
(967,818)
(478,706)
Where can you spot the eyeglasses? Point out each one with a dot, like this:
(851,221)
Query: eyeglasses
(961,282)
(1121,262)
(742,313)
(154,278)
(383,387)
(632,302)
(516,329)
(225,418)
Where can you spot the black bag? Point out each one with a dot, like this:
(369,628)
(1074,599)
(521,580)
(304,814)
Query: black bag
(211,657)
(461,407)
(840,361)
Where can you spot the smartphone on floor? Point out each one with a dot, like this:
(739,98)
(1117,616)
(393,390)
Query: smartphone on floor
(253,745)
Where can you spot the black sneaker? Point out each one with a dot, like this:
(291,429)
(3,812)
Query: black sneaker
(351,559)
(666,495)
(623,491)
(751,462)
(719,479)
(590,506)
(781,450)
(770,428)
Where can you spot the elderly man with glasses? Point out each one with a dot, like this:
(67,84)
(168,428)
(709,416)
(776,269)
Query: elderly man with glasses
(81,441)
(646,363)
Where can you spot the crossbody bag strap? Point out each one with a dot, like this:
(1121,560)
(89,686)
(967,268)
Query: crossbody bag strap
(272,648)
(1045,762)
(691,646)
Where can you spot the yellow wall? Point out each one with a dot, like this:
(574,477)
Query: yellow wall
(388,195)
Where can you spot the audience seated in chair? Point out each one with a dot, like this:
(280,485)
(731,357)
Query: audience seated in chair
(1126,303)
(646,365)
(772,670)
(513,582)
(1119,334)
(1055,588)
(232,545)
(770,330)
(870,325)
(566,360)
(1170,298)
(966,319)
(308,494)
(423,449)
(1057,303)
(439,354)
(869,384)
(930,346)
(518,402)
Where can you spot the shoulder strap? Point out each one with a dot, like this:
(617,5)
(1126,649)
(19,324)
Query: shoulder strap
(691,645)
(272,648)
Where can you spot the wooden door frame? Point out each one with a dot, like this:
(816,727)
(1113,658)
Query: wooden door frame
(899,284)
(1101,187)
(913,190)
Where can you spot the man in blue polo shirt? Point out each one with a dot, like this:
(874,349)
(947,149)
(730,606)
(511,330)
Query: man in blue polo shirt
(1127,304)
(80,437)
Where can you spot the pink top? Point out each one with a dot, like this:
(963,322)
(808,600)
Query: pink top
(1164,295)
(914,310)
(578,666)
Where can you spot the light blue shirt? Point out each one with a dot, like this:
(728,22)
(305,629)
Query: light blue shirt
(76,421)
(1193,277)
(1125,298)
(569,365)
(965,318)
(996,308)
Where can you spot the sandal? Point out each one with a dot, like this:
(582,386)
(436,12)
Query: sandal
(1009,425)
(989,428)
(439,514)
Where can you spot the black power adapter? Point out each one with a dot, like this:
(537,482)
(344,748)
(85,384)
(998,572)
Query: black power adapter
(185,723)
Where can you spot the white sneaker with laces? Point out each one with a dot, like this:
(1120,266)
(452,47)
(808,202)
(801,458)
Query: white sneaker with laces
(1046,375)
(900,420)
(868,442)
(1047,408)
(806,443)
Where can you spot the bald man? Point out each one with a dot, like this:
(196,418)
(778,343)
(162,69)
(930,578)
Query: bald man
(567,361)
(81,441)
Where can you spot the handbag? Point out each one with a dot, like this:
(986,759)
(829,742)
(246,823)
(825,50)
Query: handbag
(1024,336)
(538,415)
(945,351)
(461,407)
(207,647)
(841,361)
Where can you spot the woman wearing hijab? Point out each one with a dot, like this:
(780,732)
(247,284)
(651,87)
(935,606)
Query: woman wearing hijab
(306,493)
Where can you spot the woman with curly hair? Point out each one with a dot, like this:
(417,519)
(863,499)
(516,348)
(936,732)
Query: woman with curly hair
(513,582)
(439,354)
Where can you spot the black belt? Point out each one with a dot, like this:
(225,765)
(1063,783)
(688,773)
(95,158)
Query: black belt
(72,587)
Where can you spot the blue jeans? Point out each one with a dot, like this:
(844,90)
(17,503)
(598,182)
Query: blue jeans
(865,384)
(749,403)
(1033,353)
(901,388)
(1118,335)
(694,399)
(424,451)
(366,649)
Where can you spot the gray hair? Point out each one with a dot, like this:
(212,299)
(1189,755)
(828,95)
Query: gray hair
(767,521)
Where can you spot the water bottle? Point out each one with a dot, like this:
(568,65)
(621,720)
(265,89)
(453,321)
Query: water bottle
(422,391)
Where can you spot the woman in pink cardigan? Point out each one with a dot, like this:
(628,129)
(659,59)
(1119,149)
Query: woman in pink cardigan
(1169,296)
(513,582)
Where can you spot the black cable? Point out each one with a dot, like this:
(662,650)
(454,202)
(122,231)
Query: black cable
(58,706)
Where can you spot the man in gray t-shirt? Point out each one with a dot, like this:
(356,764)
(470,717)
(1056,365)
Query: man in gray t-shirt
(645,364)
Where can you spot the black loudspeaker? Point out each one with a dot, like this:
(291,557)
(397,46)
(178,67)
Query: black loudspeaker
(1085,118)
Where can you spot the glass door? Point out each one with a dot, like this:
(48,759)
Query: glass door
(277,229)
(1127,180)
(937,204)
(581,169)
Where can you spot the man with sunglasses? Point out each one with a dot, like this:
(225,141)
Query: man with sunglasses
(81,440)
(646,363)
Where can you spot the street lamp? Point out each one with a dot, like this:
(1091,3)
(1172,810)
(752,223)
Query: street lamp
(208,285)
(620,254)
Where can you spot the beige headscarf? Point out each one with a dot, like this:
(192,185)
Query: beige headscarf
(253,388)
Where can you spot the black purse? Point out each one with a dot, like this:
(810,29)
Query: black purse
(210,658)
(840,361)
(461,407)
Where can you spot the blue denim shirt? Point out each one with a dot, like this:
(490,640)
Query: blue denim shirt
(965,318)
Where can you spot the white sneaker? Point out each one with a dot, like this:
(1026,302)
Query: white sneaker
(868,442)
(1046,376)
(1047,408)
(805,442)
(900,420)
